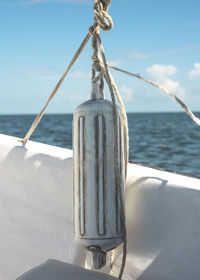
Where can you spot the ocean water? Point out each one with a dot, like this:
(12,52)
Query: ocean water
(166,140)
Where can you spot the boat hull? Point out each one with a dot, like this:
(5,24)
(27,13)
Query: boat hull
(36,216)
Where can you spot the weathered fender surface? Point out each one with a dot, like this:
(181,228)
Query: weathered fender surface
(36,216)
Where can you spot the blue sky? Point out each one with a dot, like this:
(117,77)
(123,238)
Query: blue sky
(160,39)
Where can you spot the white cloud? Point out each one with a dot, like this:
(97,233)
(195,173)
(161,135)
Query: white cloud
(140,55)
(46,74)
(81,75)
(40,74)
(195,93)
(127,93)
(161,74)
(48,77)
(33,2)
(195,24)
(76,97)
(159,71)
(114,62)
(195,73)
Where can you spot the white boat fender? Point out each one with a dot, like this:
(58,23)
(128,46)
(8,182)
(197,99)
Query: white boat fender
(97,206)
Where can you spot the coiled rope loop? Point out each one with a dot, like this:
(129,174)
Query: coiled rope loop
(102,18)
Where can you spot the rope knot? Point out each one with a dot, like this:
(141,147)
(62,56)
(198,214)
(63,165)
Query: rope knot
(102,18)
(93,29)
(96,64)
(97,67)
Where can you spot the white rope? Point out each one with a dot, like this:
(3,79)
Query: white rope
(185,107)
